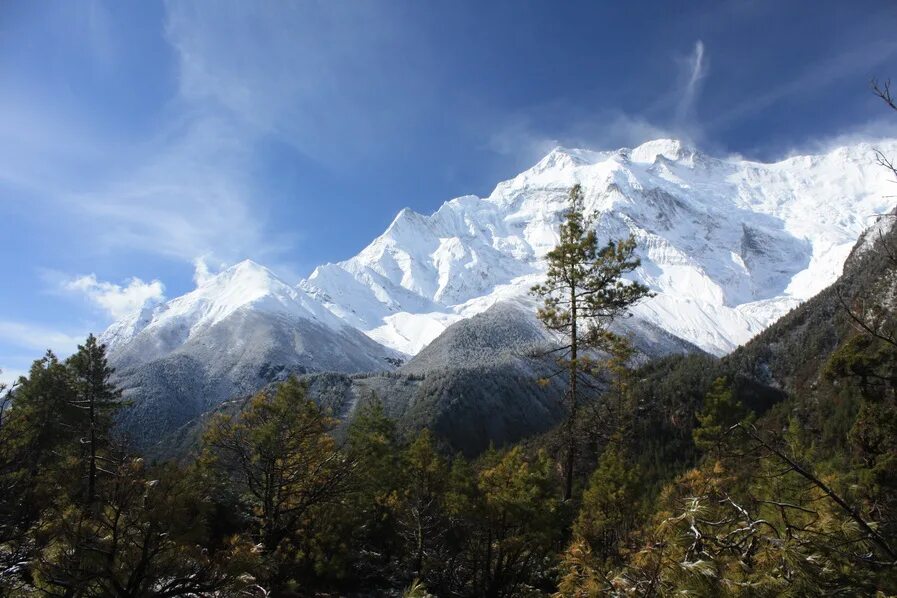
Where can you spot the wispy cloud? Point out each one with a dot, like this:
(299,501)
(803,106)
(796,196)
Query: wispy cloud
(202,272)
(246,76)
(38,338)
(117,300)
(524,137)
(863,59)
(22,342)
(695,72)
(302,73)
(193,196)
(873,131)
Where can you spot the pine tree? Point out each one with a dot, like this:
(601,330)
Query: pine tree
(371,524)
(422,522)
(36,457)
(610,505)
(510,519)
(98,399)
(583,293)
(144,538)
(720,412)
(280,459)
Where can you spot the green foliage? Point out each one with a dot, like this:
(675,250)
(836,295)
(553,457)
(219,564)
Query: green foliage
(709,538)
(721,411)
(584,282)
(678,498)
(511,522)
(610,506)
(145,539)
(37,445)
(583,293)
(372,515)
(79,516)
(422,517)
(279,457)
(869,360)
(98,400)
(416,590)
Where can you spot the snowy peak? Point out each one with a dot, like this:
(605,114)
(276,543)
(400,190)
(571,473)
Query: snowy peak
(561,158)
(728,246)
(243,286)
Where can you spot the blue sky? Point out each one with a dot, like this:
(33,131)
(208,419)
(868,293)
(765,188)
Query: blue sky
(141,139)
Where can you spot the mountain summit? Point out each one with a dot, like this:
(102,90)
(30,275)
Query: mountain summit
(728,245)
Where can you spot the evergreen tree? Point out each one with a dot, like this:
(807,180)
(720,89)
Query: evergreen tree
(372,447)
(422,512)
(37,462)
(720,412)
(284,465)
(144,537)
(512,520)
(583,293)
(98,400)
(610,505)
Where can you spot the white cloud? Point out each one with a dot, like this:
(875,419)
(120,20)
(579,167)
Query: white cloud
(695,72)
(23,342)
(202,273)
(874,131)
(522,138)
(303,73)
(188,188)
(118,300)
(193,195)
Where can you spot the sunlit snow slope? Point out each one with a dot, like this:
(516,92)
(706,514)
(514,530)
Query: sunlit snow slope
(231,311)
(729,245)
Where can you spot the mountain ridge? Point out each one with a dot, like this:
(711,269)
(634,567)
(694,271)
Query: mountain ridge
(728,244)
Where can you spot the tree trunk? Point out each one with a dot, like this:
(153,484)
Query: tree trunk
(92,471)
(571,440)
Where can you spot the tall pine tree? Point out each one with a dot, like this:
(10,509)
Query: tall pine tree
(583,293)
(98,400)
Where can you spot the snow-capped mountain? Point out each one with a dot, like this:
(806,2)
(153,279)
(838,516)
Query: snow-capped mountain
(245,286)
(235,333)
(221,306)
(728,245)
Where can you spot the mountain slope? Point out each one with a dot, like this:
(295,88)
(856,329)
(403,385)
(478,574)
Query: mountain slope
(236,332)
(729,245)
